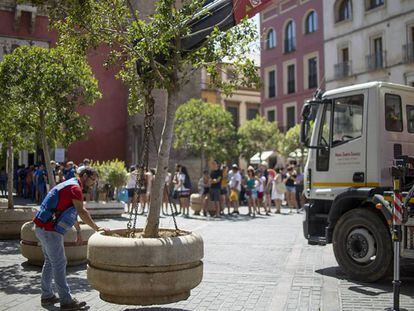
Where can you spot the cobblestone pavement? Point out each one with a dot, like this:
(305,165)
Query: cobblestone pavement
(261,263)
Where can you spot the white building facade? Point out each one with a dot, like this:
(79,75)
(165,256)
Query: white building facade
(368,40)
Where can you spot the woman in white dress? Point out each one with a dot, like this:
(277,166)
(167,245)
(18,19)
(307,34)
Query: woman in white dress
(278,190)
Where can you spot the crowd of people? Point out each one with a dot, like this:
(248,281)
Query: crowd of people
(225,189)
(31,182)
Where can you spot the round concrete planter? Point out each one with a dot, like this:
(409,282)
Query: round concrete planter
(11,221)
(141,271)
(75,254)
(196,204)
(103,209)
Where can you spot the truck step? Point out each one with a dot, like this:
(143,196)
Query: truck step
(317,240)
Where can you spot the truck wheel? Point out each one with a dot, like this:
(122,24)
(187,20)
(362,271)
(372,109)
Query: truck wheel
(362,245)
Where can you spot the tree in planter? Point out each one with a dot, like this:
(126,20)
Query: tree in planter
(258,135)
(112,176)
(48,85)
(15,122)
(155,45)
(201,128)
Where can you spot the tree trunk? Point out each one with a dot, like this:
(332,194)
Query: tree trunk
(10,174)
(203,157)
(45,147)
(153,219)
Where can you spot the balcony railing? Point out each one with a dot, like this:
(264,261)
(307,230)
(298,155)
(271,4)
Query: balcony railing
(376,61)
(342,70)
(408,53)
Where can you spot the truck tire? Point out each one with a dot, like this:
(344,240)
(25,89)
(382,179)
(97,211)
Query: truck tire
(362,245)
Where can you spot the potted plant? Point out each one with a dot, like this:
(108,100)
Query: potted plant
(112,177)
(152,51)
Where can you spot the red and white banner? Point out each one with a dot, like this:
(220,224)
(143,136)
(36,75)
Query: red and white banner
(249,8)
(398,209)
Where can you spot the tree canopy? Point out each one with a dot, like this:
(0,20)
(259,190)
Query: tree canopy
(43,89)
(203,128)
(258,135)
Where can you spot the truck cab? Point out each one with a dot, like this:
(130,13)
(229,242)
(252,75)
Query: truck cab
(353,135)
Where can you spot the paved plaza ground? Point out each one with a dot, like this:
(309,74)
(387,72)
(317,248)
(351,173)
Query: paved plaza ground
(261,263)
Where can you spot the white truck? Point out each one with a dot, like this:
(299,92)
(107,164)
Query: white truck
(353,135)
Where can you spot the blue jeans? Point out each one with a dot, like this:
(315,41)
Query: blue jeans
(54,265)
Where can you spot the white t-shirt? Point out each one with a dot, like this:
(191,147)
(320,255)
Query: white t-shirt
(131,180)
(181,180)
(262,183)
(235,179)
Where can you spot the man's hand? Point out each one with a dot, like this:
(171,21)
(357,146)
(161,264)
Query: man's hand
(106,230)
(79,240)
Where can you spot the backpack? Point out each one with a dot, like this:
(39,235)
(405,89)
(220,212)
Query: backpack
(47,211)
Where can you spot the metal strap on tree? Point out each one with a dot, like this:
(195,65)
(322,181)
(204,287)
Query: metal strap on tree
(140,186)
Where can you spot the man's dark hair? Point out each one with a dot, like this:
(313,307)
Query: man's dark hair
(89,171)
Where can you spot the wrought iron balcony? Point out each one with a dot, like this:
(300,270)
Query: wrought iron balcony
(376,61)
(342,70)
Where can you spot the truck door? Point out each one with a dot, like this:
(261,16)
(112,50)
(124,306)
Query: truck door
(342,164)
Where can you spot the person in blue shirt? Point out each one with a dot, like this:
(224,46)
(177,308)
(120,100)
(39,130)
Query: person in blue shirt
(69,171)
(41,182)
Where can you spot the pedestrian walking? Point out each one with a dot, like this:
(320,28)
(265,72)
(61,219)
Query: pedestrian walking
(184,190)
(204,190)
(235,187)
(130,186)
(224,192)
(3,182)
(251,191)
(291,190)
(278,190)
(60,200)
(215,186)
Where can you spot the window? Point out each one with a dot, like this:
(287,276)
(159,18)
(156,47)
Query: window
(290,117)
(347,119)
(271,116)
(234,111)
(311,22)
(410,118)
(271,39)
(252,113)
(272,84)
(231,74)
(344,10)
(393,113)
(372,4)
(290,37)
(322,154)
(378,52)
(291,79)
(313,73)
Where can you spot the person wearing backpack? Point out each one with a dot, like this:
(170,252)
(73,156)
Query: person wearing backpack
(58,213)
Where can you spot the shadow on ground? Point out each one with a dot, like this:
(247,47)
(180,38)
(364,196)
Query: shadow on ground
(9,247)
(378,288)
(25,279)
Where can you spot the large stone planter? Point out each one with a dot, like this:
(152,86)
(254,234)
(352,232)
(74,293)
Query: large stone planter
(11,220)
(75,254)
(140,271)
(196,204)
(105,209)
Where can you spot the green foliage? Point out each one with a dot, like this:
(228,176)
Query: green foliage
(111,172)
(41,90)
(291,141)
(205,127)
(154,42)
(258,135)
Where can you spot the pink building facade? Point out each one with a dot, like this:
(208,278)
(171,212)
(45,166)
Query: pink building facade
(292,58)
(25,25)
